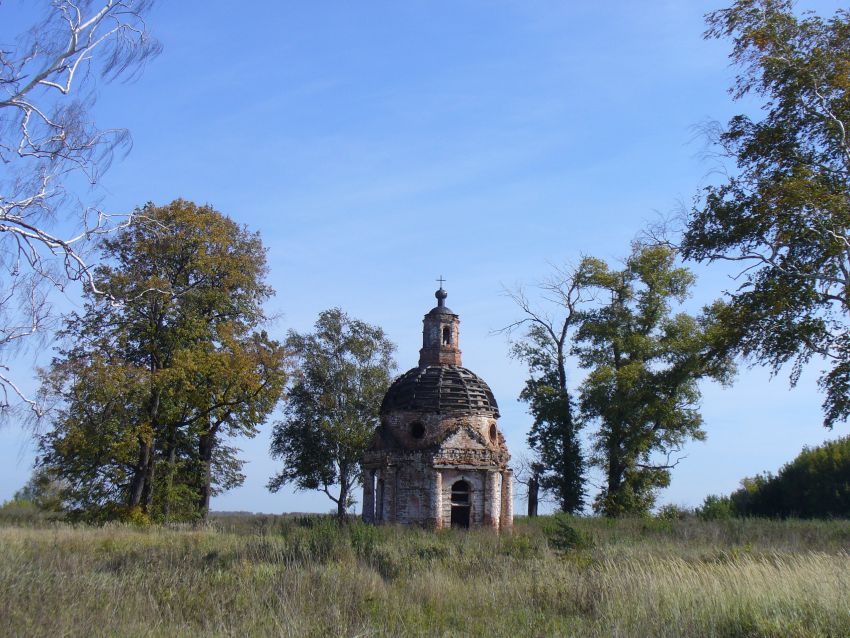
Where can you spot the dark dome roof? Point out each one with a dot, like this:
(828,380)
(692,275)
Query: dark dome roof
(441,310)
(443,389)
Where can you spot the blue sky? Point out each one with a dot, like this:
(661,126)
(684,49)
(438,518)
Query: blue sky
(377,145)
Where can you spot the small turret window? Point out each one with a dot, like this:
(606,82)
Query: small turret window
(493,432)
(447,336)
(417,430)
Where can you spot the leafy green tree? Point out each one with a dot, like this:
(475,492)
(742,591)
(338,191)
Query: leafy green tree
(554,434)
(333,405)
(644,364)
(147,388)
(544,347)
(784,212)
(226,387)
(39,501)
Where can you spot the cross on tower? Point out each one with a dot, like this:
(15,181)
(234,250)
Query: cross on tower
(442,281)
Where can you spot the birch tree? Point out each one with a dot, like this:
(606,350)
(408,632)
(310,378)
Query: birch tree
(332,407)
(783,213)
(49,78)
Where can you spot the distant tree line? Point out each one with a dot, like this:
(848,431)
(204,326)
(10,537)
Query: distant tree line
(816,484)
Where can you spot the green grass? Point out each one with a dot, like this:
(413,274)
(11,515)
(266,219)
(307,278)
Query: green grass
(291,576)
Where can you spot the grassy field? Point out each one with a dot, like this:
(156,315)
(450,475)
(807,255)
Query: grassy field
(291,576)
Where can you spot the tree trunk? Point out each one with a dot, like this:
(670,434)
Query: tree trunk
(206,445)
(137,486)
(147,489)
(533,495)
(171,455)
(616,464)
(562,380)
(616,471)
(141,492)
(342,502)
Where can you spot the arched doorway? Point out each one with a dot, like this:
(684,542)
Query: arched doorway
(461,505)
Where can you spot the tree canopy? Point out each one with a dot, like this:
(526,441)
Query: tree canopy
(147,389)
(644,365)
(332,409)
(784,210)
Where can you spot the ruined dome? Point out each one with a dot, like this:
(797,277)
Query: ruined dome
(444,389)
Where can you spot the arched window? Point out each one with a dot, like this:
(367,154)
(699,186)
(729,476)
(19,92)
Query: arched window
(447,335)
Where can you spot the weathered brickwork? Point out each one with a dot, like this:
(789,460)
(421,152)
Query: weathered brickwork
(438,457)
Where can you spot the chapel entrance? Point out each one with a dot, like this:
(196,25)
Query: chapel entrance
(460,505)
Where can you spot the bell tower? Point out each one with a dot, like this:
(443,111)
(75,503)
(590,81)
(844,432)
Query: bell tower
(440,333)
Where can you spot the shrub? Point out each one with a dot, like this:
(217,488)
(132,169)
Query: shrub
(672,512)
(563,536)
(22,512)
(715,508)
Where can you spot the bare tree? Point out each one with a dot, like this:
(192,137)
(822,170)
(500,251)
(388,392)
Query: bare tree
(48,81)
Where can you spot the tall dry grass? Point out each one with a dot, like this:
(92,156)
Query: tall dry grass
(287,576)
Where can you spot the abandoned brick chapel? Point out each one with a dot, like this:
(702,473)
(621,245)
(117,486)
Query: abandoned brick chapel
(438,458)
